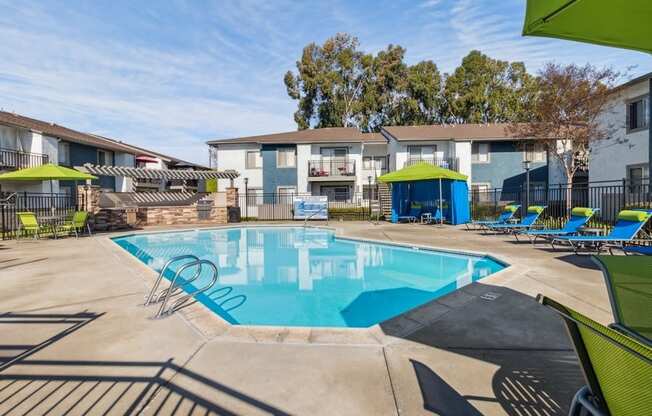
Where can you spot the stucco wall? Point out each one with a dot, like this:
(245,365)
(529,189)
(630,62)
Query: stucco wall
(273,176)
(610,157)
(505,168)
(303,156)
(233,156)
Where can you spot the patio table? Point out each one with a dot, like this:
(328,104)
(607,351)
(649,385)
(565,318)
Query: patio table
(53,221)
(629,284)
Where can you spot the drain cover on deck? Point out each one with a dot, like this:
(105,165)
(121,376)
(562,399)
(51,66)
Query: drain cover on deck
(490,296)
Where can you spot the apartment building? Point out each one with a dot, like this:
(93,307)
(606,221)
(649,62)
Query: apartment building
(337,162)
(489,154)
(28,142)
(625,153)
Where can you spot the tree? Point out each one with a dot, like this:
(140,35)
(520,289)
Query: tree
(486,90)
(566,115)
(329,84)
(337,85)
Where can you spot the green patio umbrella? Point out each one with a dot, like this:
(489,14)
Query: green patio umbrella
(49,172)
(423,171)
(618,23)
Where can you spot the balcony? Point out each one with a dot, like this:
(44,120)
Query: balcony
(448,163)
(331,169)
(15,159)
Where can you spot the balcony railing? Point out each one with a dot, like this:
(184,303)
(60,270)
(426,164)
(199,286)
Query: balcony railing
(331,167)
(15,159)
(448,163)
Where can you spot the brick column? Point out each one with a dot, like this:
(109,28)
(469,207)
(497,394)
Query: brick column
(232,197)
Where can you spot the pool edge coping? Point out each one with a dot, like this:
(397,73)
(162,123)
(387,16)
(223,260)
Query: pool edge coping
(214,327)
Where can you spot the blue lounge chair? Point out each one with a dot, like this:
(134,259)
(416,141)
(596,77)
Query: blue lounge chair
(629,223)
(533,214)
(641,250)
(579,217)
(503,218)
(413,215)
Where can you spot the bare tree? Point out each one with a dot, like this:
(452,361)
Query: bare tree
(567,114)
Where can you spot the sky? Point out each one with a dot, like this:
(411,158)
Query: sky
(169,75)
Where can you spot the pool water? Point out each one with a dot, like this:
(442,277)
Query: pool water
(296,276)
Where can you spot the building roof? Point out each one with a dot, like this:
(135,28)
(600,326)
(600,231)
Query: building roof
(633,81)
(374,138)
(492,131)
(323,135)
(55,130)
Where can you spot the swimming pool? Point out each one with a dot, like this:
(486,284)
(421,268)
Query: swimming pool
(296,276)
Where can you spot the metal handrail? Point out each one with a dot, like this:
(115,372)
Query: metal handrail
(149,298)
(173,285)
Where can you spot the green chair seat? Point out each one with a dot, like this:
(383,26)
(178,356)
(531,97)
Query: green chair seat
(629,284)
(617,367)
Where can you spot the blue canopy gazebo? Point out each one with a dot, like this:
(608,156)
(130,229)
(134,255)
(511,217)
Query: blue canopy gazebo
(431,187)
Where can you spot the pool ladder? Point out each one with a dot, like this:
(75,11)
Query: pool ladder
(174,290)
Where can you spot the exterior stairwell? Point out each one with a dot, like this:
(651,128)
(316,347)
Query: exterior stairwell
(385,199)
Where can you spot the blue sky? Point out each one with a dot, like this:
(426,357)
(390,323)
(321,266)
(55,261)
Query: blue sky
(169,75)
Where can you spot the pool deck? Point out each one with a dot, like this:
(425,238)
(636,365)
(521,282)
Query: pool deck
(75,337)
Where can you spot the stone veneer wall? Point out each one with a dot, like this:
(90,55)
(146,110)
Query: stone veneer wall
(104,219)
(180,215)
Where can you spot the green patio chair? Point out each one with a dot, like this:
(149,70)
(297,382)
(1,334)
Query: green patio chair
(77,224)
(629,284)
(28,224)
(617,368)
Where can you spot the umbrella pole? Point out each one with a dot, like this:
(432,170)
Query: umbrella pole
(52,208)
(441,210)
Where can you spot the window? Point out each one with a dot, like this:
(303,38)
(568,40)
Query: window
(104,157)
(534,152)
(253,160)
(336,193)
(334,151)
(374,162)
(370,192)
(637,176)
(637,114)
(480,153)
(286,157)
(64,153)
(422,152)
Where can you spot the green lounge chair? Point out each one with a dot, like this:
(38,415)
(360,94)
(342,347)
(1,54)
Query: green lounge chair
(629,284)
(28,224)
(77,224)
(617,368)
(629,224)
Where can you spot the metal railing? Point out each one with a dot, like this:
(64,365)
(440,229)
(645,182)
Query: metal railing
(448,163)
(16,159)
(610,197)
(279,206)
(41,204)
(331,167)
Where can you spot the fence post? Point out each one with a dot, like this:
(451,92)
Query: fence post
(624,193)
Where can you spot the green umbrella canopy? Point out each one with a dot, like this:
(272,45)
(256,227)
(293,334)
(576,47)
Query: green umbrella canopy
(48,172)
(618,23)
(421,172)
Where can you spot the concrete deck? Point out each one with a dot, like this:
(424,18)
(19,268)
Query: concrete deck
(75,339)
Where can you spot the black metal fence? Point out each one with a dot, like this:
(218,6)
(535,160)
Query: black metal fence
(258,206)
(609,196)
(41,204)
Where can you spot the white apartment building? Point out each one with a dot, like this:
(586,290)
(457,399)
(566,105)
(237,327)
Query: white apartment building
(625,154)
